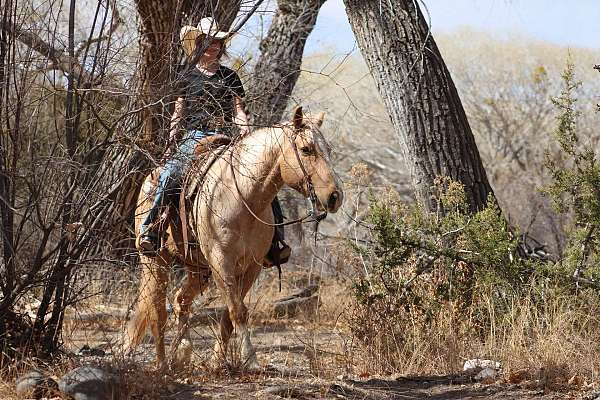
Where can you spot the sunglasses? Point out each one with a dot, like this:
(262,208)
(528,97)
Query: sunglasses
(202,41)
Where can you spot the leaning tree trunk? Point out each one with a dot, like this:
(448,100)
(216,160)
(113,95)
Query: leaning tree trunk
(278,66)
(276,72)
(420,97)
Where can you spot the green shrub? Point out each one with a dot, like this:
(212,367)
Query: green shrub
(575,187)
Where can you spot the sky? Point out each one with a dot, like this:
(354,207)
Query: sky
(574,23)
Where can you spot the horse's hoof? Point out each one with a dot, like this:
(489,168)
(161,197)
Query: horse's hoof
(252,365)
(182,356)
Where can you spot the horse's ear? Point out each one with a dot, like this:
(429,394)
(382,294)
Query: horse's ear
(297,117)
(319,119)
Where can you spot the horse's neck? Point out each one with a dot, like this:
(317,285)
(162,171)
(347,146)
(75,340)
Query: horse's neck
(256,166)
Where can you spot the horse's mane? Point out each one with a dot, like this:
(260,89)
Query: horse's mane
(263,131)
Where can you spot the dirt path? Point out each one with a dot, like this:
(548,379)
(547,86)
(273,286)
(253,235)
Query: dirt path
(303,362)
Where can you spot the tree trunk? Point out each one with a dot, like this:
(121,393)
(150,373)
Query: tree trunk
(125,167)
(420,97)
(275,75)
(278,66)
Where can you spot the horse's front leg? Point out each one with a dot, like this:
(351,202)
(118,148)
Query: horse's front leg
(234,288)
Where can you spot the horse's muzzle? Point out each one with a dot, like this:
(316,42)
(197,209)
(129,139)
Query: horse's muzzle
(334,201)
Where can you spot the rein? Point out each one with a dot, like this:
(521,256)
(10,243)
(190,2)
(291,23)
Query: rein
(310,188)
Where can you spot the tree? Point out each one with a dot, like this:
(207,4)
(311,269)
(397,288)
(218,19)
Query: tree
(420,97)
(278,67)
(50,144)
(276,73)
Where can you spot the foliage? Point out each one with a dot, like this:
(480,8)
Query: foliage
(575,186)
(422,264)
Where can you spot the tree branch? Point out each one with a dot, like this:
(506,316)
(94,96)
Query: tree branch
(116,21)
(59,60)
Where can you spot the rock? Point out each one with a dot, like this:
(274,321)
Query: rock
(477,364)
(91,383)
(93,351)
(35,384)
(292,307)
(486,374)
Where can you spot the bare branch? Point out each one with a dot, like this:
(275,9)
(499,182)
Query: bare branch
(116,21)
(60,61)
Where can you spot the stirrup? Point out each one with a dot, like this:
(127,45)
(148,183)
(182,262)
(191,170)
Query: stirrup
(148,244)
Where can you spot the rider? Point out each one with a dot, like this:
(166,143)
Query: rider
(210,101)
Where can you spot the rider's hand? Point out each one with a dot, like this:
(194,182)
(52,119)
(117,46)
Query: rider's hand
(244,130)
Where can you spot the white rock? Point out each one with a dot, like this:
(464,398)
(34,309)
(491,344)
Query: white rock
(486,373)
(478,363)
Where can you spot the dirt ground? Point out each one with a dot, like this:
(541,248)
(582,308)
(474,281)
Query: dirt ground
(301,361)
(307,356)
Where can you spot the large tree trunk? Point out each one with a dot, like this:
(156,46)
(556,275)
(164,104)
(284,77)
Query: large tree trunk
(275,75)
(420,97)
(278,66)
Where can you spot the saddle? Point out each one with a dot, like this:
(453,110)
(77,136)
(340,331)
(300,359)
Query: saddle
(207,151)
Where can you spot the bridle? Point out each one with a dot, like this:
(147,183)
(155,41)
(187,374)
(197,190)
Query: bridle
(311,214)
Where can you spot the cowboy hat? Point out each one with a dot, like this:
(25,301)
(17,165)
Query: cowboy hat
(207,26)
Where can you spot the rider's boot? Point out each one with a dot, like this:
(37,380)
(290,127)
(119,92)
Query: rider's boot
(149,239)
(279,253)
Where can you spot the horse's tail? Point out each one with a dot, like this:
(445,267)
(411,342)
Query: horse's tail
(151,308)
(136,329)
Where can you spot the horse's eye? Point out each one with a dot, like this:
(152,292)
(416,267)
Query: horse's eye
(306,150)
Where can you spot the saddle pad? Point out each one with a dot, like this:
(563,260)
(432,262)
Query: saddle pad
(198,170)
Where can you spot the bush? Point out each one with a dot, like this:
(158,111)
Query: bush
(423,265)
(447,285)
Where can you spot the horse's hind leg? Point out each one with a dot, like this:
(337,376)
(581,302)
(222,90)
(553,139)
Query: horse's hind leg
(195,282)
(151,308)
(225,330)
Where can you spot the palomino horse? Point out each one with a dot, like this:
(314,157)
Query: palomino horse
(234,227)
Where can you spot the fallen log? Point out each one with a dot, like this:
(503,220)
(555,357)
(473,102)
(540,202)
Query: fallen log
(302,300)
(292,307)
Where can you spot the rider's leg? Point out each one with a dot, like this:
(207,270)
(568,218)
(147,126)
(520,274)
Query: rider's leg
(167,182)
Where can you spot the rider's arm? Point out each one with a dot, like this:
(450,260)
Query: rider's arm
(241,116)
(177,119)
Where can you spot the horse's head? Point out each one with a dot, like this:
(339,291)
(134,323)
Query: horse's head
(305,160)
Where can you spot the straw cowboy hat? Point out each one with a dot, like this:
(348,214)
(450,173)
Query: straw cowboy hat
(207,26)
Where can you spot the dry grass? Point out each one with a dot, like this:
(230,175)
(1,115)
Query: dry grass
(561,334)
(554,346)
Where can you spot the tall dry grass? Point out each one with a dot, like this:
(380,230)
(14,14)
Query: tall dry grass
(561,335)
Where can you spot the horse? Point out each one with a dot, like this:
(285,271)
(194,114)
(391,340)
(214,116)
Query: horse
(233,223)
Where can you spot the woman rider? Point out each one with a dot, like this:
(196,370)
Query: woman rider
(210,101)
